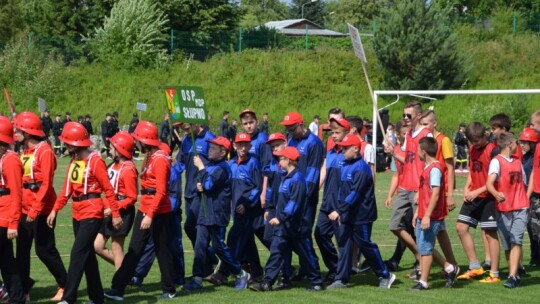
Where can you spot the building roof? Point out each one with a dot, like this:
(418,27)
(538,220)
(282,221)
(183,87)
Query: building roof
(297,27)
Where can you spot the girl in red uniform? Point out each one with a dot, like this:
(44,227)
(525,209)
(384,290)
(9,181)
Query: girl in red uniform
(123,178)
(154,218)
(38,197)
(86,179)
(10,210)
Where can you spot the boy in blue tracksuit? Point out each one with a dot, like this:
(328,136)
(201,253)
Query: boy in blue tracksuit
(312,150)
(355,213)
(215,183)
(246,192)
(192,197)
(290,221)
(273,173)
(327,229)
(260,151)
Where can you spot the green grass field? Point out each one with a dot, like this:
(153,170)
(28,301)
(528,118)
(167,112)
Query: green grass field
(362,289)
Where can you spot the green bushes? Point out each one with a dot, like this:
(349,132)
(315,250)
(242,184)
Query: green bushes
(133,35)
(28,74)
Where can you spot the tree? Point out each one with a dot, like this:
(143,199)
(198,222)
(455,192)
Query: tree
(202,15)
(28,73)
(313,11)
(258,12)
(204,27)
(357,13)
(416,48)
(60,24)
(134,34)
(11,21)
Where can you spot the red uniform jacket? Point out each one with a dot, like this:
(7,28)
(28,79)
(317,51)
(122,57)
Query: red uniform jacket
(84,177)
(123,177)
(39,164)
(10,179)
(156,172)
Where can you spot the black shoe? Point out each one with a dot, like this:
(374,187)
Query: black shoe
(217,279)
(299,277)
(256,279)
(451,277)
(114,294)
(391,265)
(486,266)
(330,278)
(264,286)
(315,288)
(418,287)
(512,282)
(521,271)
(285,283)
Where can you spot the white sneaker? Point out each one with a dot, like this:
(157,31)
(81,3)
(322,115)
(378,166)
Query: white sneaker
(465,171)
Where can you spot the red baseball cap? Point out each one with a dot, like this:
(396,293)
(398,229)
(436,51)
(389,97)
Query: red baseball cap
(342,122)
(221,141)
(350,140)
(292,118)
(276,136)
(289,152)
(247,111)
(242,137)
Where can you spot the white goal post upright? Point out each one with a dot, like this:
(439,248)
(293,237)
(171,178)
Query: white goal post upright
(378,93)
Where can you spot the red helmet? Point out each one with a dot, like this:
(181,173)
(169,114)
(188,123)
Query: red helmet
(75,134)
(146,133)
(29,123)
(529,134)
(123,143)
(6,130)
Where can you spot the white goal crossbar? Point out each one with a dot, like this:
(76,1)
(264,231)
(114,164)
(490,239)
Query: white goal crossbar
(376,95)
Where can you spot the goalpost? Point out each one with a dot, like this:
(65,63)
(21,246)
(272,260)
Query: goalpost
(378,93)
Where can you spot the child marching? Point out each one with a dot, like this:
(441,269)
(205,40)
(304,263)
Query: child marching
(11,171)
(85,181)
(123,177)
(39,164)
(153,219)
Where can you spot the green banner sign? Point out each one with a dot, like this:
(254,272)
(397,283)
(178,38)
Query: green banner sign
(186,104)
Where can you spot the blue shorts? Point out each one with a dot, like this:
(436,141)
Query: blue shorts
(425,239)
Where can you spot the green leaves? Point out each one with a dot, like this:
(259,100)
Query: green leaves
(133,35)
(416,48)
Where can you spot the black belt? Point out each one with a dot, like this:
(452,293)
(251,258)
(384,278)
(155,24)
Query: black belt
(148,191)
(120,197)
(4,191)
(32,186)
(86,197)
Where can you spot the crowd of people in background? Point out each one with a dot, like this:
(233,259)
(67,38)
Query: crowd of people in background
(269,184)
